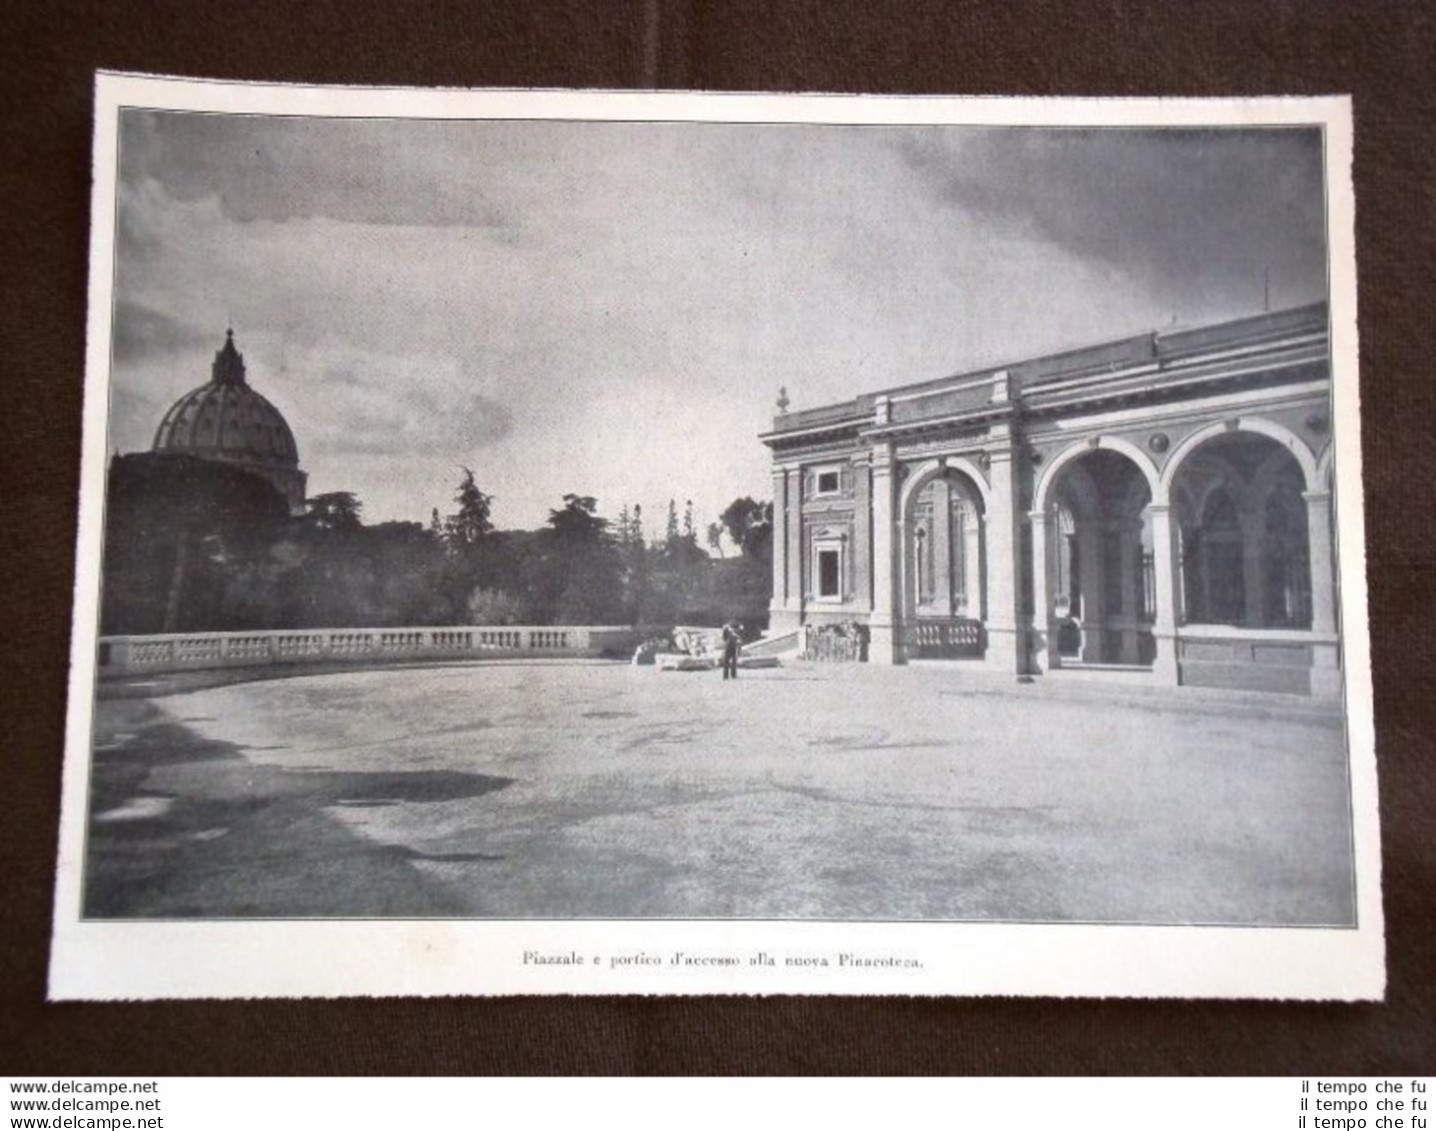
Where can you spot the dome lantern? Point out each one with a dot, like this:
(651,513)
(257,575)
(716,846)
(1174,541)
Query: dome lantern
(228,366)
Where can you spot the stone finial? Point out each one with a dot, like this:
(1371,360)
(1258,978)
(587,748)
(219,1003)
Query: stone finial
(783,401)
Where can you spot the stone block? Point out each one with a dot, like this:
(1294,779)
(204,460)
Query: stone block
(698,640)
(681,662)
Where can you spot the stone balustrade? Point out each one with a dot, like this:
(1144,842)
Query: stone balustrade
(127,655)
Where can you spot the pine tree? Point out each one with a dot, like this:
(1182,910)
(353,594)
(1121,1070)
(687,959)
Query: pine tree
(690,535)
(637,581)
(670,536)
(471,525)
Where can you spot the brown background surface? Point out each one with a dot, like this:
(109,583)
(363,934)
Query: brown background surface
(1382,54)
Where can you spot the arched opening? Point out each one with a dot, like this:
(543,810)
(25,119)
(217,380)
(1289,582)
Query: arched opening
(1100,581)
(1213,561)
(1242,527)
(944,576)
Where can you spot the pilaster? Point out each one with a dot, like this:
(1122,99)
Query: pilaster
(1042,652)
(862,536)
(883,643)
(795,542)
(1004,557)
(778,606)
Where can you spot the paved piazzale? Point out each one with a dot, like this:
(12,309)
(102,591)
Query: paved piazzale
(560,790)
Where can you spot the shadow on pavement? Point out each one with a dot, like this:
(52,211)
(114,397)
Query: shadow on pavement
(181,826)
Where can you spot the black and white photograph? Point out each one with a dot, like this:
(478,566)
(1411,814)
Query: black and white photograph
(643,544)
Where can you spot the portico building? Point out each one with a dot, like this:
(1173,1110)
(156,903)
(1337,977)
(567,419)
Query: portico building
(1156,508)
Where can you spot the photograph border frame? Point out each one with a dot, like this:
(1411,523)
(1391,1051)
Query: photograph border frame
(107,959)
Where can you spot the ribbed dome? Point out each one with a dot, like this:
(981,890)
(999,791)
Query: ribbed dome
(226,420)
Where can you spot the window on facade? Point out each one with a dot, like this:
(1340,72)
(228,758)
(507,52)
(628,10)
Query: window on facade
(830,574)
(827,483)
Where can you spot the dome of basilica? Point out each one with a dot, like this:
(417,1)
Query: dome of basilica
(227,421)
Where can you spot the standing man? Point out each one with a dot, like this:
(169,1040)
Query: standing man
(732,640)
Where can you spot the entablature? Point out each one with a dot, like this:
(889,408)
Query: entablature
(1296,363)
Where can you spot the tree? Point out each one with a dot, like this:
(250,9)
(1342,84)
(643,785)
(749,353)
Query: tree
(579,572)
(337,510)
(494,606)
(690,533)
(670,534)
(715,538)
(633,565)
(466,536)
(406,566)
(578,519)
(471,525)
(750,526)
(747,583)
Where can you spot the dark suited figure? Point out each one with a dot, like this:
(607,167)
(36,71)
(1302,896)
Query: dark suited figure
(732,641)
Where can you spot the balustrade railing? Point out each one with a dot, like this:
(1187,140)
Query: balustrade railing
(119,655)
(943,638)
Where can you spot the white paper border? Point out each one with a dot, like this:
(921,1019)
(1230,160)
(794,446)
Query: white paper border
(233,959)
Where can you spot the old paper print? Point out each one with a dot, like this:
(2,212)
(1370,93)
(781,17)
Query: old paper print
(574,542)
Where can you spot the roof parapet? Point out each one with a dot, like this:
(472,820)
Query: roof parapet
(1005,384)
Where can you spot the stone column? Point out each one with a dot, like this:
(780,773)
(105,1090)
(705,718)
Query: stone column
(911,566)
(794,553)
(1326,647)
(1323,571)
(972,563)
(1043,651)
(941,537)
(882,627)
(1130,541)
(778,617)
(1165,563)
(1092,585)
(1004,543)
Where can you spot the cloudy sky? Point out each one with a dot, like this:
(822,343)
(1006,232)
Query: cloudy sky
(610,309)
